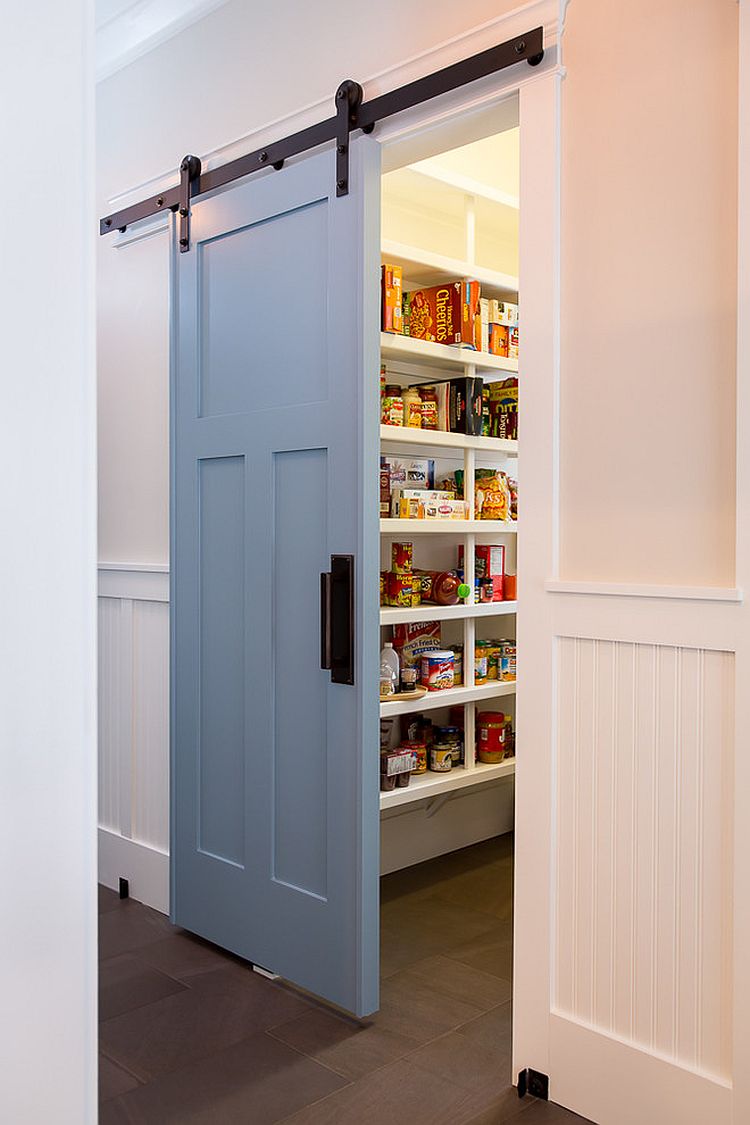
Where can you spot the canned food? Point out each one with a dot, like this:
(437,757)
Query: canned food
(401,557)
(419,750)
(441,757)
(458,664)
(507,663)
(437,670)
(480,666)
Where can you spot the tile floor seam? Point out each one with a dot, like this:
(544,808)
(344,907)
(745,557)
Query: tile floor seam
(311,1058)
(122,1066)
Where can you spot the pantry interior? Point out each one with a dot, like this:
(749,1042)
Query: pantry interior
(450,213)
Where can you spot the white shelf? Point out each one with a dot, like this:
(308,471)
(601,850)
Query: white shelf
(455,358)
(393,615)
(434,170)
(448,527)
(430,784)
(448,698)
(440,440)
(432,269)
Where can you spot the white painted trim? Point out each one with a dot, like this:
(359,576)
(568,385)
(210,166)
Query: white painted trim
(637,590)
(546,13)
(141,26)
(146,868)
(147,582)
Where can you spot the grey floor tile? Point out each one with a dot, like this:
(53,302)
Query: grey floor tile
(256,1082)
(546,1113)
(182,955)
(108,900)
(113,1080)
(453,978)
(432,924)
(491,952)
(399,1094)
(350,1048)
(215,1011)
(125,982)
(493,1028)
(487,889)
(411,1007)
(506,1108)
(130,927)
(474,1066)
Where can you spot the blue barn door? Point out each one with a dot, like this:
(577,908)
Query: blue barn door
(274,564)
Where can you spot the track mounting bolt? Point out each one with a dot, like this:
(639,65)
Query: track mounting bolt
(160,201)
(263,157)
(341,184)
(521,47)
(108,222)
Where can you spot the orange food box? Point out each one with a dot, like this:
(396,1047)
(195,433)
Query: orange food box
(445,314)
(391,288)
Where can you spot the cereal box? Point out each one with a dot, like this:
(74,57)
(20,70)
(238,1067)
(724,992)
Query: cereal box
(391,298)
(498,339)
(445,314)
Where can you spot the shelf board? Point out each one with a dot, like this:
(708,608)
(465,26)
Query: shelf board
(440,440)
(430,784)
(393,615)
(448,698)
(448,527)
(432,269)
(441,356)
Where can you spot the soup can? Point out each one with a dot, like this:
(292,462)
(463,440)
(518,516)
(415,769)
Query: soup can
(507,663)
(437,670)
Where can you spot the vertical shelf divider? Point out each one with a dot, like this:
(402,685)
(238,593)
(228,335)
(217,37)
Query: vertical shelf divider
(469,622)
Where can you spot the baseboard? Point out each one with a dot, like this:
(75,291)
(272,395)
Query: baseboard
(470,816)
(145,868)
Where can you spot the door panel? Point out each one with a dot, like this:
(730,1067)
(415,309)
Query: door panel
(274,458)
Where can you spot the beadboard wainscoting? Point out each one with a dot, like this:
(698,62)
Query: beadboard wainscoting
(134,730)
(134,753)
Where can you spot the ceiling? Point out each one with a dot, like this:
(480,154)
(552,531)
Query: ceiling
(127,29)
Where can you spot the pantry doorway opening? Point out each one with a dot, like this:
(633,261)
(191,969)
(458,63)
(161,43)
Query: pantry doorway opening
(452,392)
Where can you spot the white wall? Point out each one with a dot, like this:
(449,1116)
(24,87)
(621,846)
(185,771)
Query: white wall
(47,568)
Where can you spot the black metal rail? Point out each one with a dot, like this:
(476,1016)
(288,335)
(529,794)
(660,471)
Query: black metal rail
(361,115)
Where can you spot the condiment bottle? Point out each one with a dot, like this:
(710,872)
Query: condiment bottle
(429,408)
(393,406)
(412,408)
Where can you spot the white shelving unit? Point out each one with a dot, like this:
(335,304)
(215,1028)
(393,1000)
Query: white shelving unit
(442,357)
(429,785)
(461,200)
(396,527)
(473,693)
(392,615)
(442,443)
(424,268)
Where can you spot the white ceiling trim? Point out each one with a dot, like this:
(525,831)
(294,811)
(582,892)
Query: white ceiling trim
(124,35)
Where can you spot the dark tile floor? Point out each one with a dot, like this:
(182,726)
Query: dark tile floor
(191,1035)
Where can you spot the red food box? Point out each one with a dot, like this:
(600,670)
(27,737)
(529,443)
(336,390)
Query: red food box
(438,314)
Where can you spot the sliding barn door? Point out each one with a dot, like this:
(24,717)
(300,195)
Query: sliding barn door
(625,726)
(273,415)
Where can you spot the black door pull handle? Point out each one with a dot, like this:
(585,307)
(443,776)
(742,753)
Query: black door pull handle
(337,619)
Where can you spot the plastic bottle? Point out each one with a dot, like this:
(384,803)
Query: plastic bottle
(389,668)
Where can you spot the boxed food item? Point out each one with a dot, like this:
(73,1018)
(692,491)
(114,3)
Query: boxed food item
(484,324)
(465,405)
(492,495)
(513,342)
(489,570)
(385,493)
(446,509)
(409,472)
(411,503)
(391,287)
(498,339)
(503,312)
(411,639)
(503,409)
(445,314)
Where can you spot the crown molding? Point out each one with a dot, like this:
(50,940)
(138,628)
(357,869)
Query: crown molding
(140,26)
